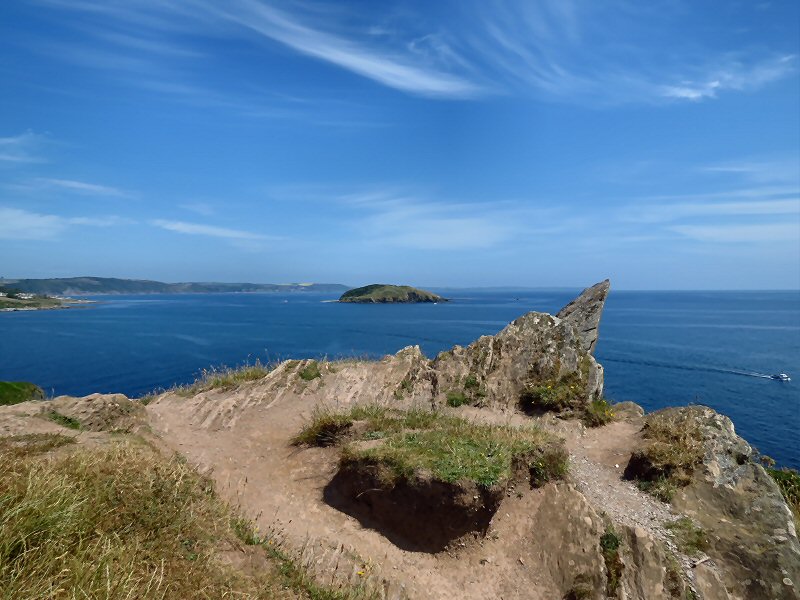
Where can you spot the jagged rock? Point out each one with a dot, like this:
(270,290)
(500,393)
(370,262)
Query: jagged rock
(585,311)
(536,350)
(752,538)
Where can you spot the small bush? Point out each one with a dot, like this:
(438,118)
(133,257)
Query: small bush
(690,539)
(310,371)
(245,531)
(598,412)
(63,420)
(554,394)
(471,383)
(456,399)
(609,547)
(674,447)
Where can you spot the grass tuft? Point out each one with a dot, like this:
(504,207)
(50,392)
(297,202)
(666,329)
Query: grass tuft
(220,378)
(456,399)
(325,428)
(610,548)
(63,420)
(691,539)
(673,448)
(310,371)
(788,481)
(598,412)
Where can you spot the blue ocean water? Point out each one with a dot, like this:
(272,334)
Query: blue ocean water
(658,348)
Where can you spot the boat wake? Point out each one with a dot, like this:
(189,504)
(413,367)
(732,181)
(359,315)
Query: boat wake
(708,369)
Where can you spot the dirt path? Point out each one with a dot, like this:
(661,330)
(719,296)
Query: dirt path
(242,439)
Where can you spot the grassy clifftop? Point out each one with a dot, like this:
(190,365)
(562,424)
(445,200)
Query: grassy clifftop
(14,392)
(379,293)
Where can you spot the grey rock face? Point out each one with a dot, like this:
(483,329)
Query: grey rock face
(752,534)
(535,350)
(584,313)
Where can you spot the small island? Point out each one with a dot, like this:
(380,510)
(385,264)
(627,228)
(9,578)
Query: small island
(379,293)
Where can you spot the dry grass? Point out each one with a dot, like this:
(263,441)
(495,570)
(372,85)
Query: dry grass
(673,448)
(216,378)
(122,522)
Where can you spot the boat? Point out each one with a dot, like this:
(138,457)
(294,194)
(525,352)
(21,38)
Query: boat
(780,377)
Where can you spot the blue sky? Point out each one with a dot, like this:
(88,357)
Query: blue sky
(461,143)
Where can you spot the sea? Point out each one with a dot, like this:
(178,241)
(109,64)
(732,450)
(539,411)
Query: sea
(658,348)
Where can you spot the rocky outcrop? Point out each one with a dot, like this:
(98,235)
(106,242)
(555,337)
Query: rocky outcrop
(99,412)
(585,311)
(752,539)
(535,354)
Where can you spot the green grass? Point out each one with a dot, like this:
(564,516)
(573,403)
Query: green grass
(555,394)
(598,412)
(610,548)
(14,392)
(450,448)
(456,399)
(122,522)
(63,420)
(691,540)
(788,481)
(310,371)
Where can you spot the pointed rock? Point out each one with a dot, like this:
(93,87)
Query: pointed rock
(584,313)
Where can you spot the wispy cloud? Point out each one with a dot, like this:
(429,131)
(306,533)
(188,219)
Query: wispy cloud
(18,224)
(210,230)
(82,187)
(734,76)
(22,148)
(595,53)
(393,70)
(768,232)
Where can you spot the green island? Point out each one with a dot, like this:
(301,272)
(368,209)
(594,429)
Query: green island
(379,293)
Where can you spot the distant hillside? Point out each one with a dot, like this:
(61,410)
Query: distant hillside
(378,293)
(109,285)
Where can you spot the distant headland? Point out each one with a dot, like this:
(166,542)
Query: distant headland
(81,286)
(379,293)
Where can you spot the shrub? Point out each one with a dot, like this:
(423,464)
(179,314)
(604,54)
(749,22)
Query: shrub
(673,448)
(456,399)
(310,371)
(598,412)
(555,394)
